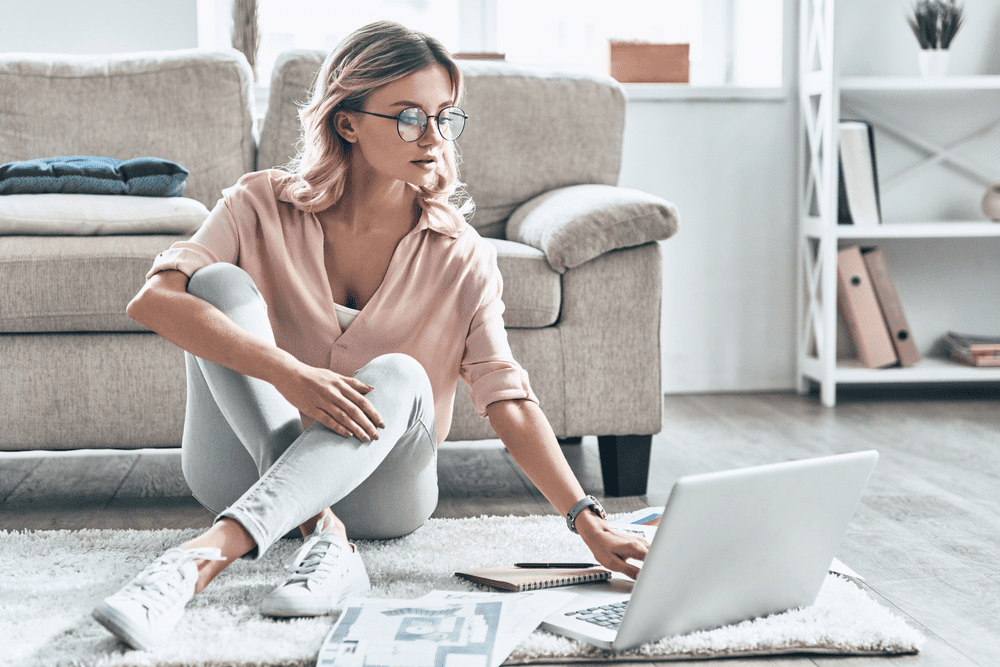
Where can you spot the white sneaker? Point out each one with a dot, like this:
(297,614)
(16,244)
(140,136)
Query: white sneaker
(324,572)
(147,609)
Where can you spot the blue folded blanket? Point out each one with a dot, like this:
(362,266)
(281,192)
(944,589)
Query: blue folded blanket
(84,174)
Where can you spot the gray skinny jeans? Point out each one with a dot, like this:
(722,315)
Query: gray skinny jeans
(246,456)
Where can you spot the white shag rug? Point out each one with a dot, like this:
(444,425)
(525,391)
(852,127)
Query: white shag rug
(51,580)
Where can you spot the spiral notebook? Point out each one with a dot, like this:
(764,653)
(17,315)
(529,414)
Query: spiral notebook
(511,578)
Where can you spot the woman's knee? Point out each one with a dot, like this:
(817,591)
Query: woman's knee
(223,284)
(400,373)
(398,370)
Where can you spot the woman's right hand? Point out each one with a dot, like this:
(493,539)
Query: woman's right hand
(336,401)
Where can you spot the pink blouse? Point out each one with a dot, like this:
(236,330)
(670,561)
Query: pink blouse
(440,301)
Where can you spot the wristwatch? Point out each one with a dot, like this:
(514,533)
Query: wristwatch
(588,502)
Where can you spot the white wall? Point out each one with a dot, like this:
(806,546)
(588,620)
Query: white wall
(729,273)
(97,26)
(728,307)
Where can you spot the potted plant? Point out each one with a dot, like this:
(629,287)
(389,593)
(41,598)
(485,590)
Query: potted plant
(934,23)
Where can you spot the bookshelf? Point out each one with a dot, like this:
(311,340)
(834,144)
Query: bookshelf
(825,97)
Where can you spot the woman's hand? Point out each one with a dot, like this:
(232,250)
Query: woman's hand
(334,400)
(612,549)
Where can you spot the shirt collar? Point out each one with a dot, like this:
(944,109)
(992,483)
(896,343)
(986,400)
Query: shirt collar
(440,223)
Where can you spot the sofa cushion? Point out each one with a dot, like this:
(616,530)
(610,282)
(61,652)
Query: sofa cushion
(292,78)
(73,283)
(532,291)
(189,106)
(78,215)
(575,224)
(530,132)
(94,175)
(83,283)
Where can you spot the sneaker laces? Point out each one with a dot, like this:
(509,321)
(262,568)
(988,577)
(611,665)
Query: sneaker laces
(160,584)
(314,561)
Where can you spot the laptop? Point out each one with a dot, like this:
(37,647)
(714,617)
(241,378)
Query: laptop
(730,546)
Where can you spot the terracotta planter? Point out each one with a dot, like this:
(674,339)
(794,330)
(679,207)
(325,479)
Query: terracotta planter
(636,62)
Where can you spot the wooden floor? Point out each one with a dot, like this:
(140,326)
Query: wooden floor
(926,537)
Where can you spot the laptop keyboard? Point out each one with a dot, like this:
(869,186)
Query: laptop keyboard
(607,616)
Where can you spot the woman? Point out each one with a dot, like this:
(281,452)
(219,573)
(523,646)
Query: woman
(327,314)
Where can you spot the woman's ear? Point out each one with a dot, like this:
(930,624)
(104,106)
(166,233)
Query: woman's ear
(343,125)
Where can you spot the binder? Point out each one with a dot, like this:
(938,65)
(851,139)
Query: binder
(858,194)
(511,578)
(862,314)
(892,307)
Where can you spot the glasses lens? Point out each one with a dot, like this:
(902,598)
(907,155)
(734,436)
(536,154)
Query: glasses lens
(451,122)
(411,124)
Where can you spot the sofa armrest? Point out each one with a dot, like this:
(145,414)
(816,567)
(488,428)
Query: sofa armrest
(575,224)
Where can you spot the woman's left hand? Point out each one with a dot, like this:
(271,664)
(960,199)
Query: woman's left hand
(612,549)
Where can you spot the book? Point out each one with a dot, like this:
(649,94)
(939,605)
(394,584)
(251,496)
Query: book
(963,356)
(975,344)
(859,307)
(858,194)
(980,351)
(510,578)
(892,307)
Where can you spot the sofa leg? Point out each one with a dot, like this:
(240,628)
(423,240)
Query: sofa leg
(570,441)
(625,463)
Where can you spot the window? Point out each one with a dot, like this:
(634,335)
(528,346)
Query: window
(732,41)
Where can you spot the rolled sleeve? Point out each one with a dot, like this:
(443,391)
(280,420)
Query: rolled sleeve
(215,241)
(488,366)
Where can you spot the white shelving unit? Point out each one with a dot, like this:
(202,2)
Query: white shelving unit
(825,98)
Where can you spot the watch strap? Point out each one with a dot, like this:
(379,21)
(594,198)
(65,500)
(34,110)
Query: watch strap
(586,502)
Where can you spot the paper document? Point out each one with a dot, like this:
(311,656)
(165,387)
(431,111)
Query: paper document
(640,522)
(522,613)
(441,629)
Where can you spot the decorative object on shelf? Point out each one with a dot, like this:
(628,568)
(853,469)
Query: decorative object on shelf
(642,62)
(934,23)
(991,202)
(933,62)
(246,31)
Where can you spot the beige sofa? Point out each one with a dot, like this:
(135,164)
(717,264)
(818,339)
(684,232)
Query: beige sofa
(541,155)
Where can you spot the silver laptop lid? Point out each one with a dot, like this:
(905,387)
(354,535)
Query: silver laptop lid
(744,543)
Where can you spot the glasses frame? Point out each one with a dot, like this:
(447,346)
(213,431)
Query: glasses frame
(437,121)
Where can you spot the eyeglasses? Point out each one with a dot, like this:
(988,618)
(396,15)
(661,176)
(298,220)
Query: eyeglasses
(412,123)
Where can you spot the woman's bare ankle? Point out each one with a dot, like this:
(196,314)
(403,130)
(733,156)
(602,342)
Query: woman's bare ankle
(338,526)
(230,538)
